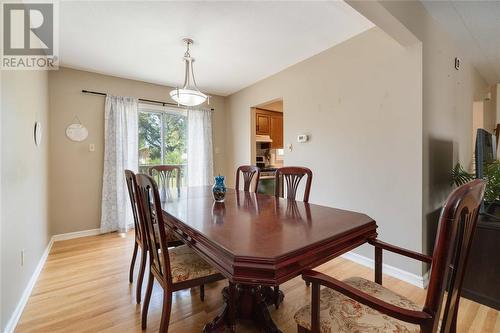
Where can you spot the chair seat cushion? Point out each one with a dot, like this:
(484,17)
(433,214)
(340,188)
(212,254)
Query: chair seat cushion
(339,313)
(187,265)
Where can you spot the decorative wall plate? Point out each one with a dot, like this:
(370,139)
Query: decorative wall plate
(37,133)
(77,132)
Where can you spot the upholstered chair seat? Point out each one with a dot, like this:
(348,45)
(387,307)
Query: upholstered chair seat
(187,265)
(339,313)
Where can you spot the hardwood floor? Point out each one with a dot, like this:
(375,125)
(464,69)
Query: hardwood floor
(84,288)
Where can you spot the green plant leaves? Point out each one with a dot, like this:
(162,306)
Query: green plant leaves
(491,174)
(460,176)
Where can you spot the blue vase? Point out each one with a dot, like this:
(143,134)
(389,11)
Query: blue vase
(219,189)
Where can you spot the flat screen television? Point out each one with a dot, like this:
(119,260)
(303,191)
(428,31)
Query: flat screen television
(486,150)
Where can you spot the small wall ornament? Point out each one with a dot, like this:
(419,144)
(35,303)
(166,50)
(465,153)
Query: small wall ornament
(76,131)
(37,133)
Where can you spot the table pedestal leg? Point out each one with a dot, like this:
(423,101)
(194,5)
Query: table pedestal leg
(245,302)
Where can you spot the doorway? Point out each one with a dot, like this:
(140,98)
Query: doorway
(477,120)
(268,142)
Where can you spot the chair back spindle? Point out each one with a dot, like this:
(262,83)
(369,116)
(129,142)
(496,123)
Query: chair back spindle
(132,193)
(248,172)
(291,177)
(151,214)
(165,175)
(457,224)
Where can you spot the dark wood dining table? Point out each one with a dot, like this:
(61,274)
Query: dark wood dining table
(258,242)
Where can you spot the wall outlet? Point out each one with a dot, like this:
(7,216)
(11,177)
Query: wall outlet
(22,257)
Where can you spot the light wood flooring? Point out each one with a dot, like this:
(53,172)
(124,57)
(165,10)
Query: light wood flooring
(84,288)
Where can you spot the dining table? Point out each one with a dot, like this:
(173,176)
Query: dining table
(258,242)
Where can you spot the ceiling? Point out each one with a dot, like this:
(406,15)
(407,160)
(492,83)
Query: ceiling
(475,26)
(236,43)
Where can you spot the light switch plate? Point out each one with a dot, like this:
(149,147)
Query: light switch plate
(91,147)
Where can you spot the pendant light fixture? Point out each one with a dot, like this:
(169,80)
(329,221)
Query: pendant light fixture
(189,94)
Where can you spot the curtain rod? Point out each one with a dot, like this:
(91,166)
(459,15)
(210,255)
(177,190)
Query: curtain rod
(140,99)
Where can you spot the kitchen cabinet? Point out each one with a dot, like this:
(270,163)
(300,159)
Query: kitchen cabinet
(277,131)
(270,123)
(263,122)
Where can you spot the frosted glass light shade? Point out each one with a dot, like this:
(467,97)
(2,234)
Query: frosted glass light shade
(188,97)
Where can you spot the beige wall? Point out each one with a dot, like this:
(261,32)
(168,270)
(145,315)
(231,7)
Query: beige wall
(490,112)
(1,201)
(448,97)
(76,173)
(477,119)
(495,95)
(24,170)
(360,102)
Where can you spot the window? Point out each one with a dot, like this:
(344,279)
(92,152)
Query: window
(162,138)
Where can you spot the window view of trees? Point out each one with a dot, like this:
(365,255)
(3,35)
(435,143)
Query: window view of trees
(175,138)
(150,138)
(162,138)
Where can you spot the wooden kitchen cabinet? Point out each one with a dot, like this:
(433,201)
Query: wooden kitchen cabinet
(263,122)
(270,123)
(277,131)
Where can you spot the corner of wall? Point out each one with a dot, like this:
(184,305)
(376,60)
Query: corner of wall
(1,200)
(496,92)
(23,173)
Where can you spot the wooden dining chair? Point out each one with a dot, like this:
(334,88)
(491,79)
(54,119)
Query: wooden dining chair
(166,174)
(248,172)
(176,268)
(291,176)
(139,235)
(140,238)
(359,305)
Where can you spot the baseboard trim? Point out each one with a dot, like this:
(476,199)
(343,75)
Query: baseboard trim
(414,279)
(76,234)
(14,318)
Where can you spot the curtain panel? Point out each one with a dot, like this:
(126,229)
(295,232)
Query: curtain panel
(200,155)
(120,153)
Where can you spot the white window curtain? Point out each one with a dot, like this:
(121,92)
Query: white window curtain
(200,155)
(120,153)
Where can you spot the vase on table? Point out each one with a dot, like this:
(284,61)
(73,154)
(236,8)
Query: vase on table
(219,189)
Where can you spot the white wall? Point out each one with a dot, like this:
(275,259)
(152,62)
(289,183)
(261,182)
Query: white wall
(1,201)
(496,92)
(24,175)
(448,97)
(360,102)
